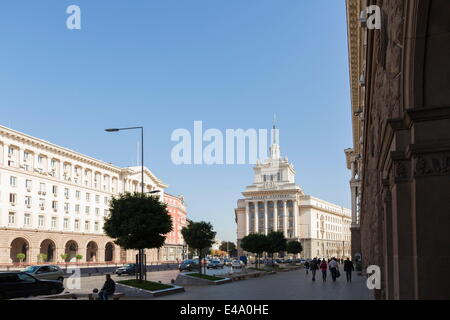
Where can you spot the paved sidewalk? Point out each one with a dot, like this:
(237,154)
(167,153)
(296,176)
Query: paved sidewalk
(293,285)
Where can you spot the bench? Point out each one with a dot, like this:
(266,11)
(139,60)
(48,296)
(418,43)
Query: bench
(116,296)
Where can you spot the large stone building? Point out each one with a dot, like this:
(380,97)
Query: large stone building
(53,201)
(400,159)
(274,202)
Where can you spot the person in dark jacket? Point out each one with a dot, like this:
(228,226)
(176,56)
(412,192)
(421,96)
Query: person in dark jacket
(108,288)
(314,265)
(348,268)
(306,266)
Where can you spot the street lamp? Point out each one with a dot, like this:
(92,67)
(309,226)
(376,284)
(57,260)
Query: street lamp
(141,255)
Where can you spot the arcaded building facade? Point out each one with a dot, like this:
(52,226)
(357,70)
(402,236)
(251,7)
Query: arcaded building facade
(53,202)
(274,202)
(400,158)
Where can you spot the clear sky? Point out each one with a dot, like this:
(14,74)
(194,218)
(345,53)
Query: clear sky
(165,63)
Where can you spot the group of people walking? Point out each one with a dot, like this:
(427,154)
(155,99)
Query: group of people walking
(332,265)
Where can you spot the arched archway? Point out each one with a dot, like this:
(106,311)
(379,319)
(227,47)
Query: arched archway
(19,245)
(91,251)
(47,248)
(71,249)
(109,252)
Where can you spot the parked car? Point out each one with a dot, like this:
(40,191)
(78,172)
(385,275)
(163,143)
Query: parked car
(188,265)
(237,264)
(129,268)
(22,285)
(227,262)
(46,272)
(214,264)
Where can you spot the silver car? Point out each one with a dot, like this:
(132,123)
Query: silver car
(46,272)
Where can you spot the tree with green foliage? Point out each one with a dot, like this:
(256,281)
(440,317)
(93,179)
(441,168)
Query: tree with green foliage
(64,256)
(228,247)
(294,247)
(42,257)
(276,243)
(255,243)
(199,236)
(138,221)
(21,257)
(78,257)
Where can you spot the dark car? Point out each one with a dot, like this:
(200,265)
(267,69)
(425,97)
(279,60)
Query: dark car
(188,265)
(126,269)
(22,285)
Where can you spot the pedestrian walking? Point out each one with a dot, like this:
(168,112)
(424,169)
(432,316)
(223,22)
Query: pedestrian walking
(307,266)
(348,268)
(313,267)
(324,269)
(333,266)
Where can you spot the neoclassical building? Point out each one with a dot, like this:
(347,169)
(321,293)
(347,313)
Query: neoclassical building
(274,202)
(53,202)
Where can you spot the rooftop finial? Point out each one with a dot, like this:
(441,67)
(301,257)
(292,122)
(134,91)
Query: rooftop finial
(274,120)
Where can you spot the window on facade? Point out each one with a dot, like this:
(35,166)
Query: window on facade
(66,192)
(54,222)
(54,205)
(12,198)
(87,209)
(77,225)
(27,220)
(41,221)
(12,218)
(66,223)
(66,207)
(55,190)
(28,184)
(88,196)
(78,194)
(77,208)
(13,181)
(27,200)
(42,187)
(10,151)
(86,225)
(97,198)
(97,211)
(42,203)
(96,226)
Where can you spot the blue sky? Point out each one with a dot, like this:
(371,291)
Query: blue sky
(165,63)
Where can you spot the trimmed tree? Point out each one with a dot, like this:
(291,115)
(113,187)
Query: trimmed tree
(276,243)
(64,256)
(42,257)
(199,236)
(78,257)
(294,247)
(138,221)
(21,257)
(255,243)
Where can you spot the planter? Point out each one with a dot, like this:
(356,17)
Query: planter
(156,293)
(187,279)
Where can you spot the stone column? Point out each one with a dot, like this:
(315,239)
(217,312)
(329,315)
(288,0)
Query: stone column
(247,218)
(266,227)
(296,218)
(285,218)
(256,212)
(275,216)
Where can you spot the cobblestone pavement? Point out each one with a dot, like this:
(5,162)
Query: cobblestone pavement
(292,285)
